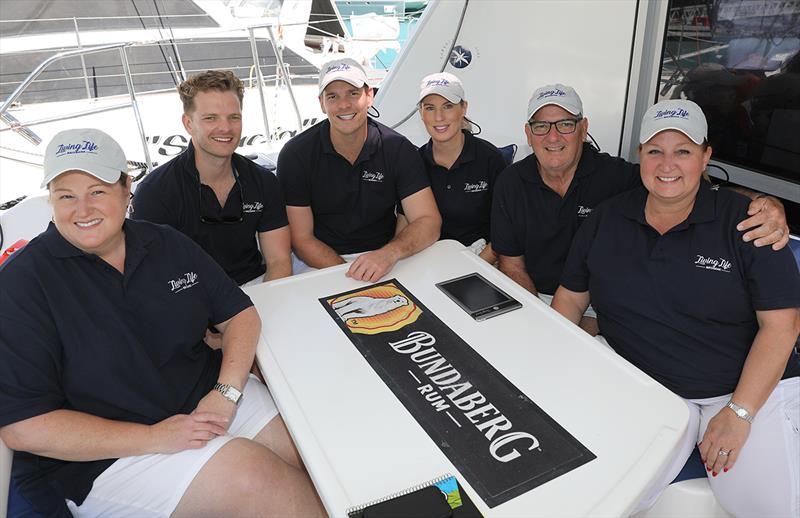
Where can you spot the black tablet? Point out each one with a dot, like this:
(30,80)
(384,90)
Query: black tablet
(478,297)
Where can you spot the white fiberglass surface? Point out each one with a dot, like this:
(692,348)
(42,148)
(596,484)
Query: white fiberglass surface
(512,48)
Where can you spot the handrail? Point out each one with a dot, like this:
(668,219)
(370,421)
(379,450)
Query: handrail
(52,59)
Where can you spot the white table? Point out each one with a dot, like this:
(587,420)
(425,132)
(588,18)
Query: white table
(359,442)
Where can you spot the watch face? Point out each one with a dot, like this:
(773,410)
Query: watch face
(233,394)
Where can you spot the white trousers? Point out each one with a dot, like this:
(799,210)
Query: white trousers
(765,481)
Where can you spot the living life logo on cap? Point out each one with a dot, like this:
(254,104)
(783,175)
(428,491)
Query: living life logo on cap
(379,309)
(341,67)
(680,113)
(437,82)
(557,92)
(87,146)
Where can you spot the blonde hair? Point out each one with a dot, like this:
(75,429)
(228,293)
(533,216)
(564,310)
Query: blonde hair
(220,80)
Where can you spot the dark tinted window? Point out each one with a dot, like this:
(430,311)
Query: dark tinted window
(740,61)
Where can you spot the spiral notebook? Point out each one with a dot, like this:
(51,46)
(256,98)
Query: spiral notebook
(442,497)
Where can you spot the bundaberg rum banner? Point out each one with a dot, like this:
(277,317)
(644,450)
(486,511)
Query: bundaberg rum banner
(499,439)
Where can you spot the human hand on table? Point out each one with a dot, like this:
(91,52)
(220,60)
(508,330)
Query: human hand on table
(726,432)
(371,266)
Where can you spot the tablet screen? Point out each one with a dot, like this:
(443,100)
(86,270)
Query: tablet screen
(477,296)
(474,292)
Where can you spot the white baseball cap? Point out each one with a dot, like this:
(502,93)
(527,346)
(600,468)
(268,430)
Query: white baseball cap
(345,69)
(675,114)
(89,150)
(557,94)
(444,84)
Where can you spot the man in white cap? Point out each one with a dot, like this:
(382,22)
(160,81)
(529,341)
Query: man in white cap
(540,201)
(343,179)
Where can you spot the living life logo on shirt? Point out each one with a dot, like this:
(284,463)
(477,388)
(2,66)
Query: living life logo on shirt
(583,212)
(253,208)
(376,177)
(718,264)
(481,186)
(184,282)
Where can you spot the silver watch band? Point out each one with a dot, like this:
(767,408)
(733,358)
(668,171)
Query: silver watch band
(740,412)
(230,392)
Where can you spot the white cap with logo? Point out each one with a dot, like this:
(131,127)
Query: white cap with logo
(557,94)
(675,114)
(89,150)
(444,84)
(345,69)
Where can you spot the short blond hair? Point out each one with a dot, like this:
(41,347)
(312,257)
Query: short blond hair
(220,80)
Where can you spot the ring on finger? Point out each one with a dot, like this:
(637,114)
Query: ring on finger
(724,453)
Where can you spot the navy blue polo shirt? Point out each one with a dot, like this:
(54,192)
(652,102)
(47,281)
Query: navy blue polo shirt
(353,204)
(76,334)
(464,192)
(531,219)
(681,306)
(172,194)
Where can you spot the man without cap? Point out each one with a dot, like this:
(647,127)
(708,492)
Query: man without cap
(217,197)
(540,201)
(343,179)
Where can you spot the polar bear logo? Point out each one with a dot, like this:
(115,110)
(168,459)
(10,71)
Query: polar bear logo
(362,307)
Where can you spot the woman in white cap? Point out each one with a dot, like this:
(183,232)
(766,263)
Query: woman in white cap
(682,297)
(114,404)
(462,168)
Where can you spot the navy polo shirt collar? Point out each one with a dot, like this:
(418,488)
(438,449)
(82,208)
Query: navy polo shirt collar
(135,243)
(469,153)
(704,210)
(370,147)
(586,166)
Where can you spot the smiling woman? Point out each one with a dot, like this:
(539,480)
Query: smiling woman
(108,393)
(462,168)
(714,319)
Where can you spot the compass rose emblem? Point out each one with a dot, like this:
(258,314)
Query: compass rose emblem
(460,57)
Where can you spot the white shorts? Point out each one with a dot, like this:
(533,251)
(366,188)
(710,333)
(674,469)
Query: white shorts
(765,481)
(152,485)
(548,299)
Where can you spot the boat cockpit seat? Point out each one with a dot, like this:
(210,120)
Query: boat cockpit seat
(508,153)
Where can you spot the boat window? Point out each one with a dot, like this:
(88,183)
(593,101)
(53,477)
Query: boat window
(740,61)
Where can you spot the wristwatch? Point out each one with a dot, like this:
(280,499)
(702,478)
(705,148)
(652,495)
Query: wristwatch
(230,392)
(741,412)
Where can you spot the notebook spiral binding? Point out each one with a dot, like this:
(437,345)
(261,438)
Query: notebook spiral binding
(407,491)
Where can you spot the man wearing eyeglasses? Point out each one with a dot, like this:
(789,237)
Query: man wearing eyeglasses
(220,199)
(540,201)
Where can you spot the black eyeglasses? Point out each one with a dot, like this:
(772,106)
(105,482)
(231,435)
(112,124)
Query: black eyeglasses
(564,126)
(222,220)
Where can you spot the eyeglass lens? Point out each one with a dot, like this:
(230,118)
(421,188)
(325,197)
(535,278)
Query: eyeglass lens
(564,126)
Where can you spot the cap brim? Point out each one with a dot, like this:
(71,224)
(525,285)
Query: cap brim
(451,98)
(110,172)
(347,80)
(675,128)
(554,103)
